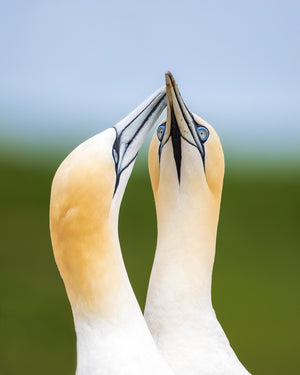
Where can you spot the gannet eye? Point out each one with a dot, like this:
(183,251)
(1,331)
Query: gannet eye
(203,133)
(115,156)
(160,131)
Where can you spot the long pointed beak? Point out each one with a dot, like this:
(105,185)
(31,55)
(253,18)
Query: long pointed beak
(181,121)
(173,114)
(175,102)
(133,129)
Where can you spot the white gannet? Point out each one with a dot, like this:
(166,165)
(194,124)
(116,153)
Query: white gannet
(186,165)
(112,336)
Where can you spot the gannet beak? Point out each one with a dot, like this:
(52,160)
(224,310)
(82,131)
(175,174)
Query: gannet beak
(133,129)
(181,120)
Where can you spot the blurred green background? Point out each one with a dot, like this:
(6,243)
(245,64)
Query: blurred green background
(255,281)
(68,70)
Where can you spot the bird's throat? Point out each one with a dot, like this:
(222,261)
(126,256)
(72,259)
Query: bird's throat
(182,270)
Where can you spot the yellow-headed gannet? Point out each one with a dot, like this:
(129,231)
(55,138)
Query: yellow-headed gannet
(186,165)
(112,336)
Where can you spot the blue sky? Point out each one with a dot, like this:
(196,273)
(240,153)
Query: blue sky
(69,69)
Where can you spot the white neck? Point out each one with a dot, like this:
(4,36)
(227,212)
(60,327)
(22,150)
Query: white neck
(123,346)
(112,336)
(113,346)
(182,271)
(178,309)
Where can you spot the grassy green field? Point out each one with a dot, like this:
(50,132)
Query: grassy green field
(255,282)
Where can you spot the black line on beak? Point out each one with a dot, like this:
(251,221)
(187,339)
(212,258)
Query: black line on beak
(176,141)
(195,124)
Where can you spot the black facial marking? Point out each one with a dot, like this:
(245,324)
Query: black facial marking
(117,157)
(116,146)
(200,146)
(161,143)
(115,151)
(202,151)
(176,142)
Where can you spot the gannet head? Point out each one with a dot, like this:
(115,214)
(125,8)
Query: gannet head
(85,198)
(186,163)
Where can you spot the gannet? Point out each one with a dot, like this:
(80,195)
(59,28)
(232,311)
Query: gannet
(186,166)
(112,336)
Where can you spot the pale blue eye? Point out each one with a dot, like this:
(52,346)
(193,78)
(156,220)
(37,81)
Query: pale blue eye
(203,133)
(115,156)
(160,131)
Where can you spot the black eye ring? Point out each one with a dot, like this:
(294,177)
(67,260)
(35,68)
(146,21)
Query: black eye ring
(161,131)
(203,133)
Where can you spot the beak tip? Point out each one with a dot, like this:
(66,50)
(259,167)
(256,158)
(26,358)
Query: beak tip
(170,79)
